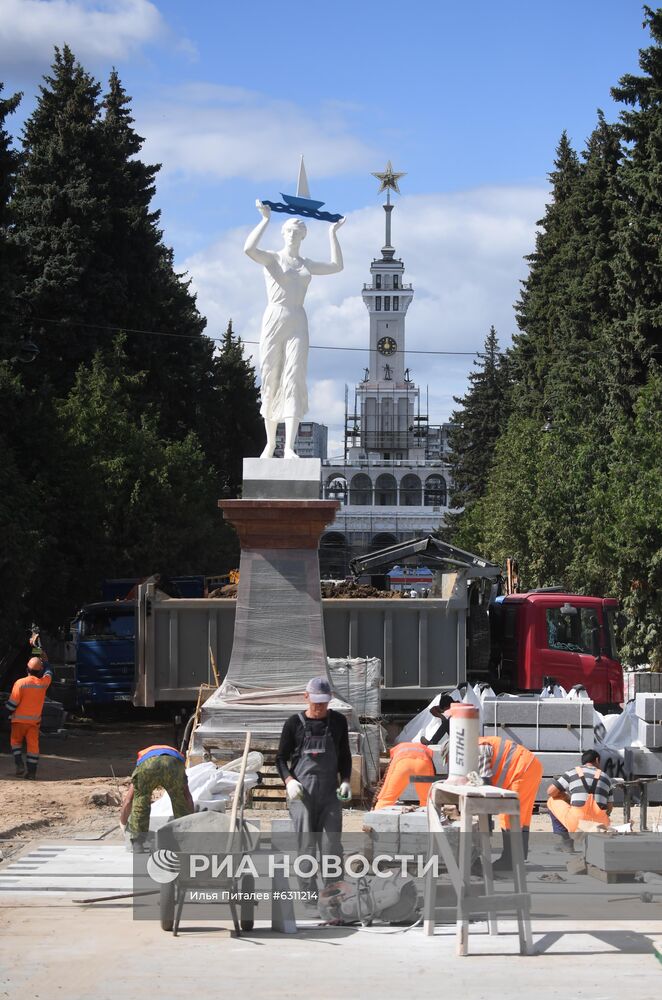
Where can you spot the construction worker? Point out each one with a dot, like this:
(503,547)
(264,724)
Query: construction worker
(439,711)
(312,755)
(582,793)
(158,766)
(513,767)
(406,759)
(26,703)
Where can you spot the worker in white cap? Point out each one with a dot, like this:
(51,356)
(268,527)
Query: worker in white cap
(315,762)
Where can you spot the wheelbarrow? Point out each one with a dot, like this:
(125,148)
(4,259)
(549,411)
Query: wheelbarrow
(210,833)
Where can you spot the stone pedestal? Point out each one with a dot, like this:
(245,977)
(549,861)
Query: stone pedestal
(278,632)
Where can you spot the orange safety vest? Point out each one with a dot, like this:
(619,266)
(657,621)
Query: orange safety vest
(518,769)
(405,757)
(28,695)
(571,815)
(159,750)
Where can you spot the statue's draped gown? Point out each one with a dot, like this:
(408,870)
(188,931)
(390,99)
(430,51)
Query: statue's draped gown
(284,341)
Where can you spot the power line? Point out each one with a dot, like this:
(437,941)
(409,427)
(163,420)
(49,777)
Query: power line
(88,327)
(85,327)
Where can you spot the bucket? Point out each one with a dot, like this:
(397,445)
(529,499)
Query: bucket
(463,751)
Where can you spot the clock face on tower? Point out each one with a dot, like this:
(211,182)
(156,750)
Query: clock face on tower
(387,346)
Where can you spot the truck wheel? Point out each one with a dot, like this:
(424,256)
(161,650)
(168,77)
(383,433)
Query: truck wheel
(247,919)
(167,906)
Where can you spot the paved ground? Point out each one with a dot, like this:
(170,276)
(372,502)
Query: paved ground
(60,848)
(98,951)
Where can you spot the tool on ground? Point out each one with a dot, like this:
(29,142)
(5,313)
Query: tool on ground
(643,897)
(123,895)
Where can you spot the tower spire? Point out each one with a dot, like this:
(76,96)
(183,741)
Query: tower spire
(388,182)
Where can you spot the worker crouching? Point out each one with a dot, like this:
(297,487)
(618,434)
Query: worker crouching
(407,761)
(158,766)
(582,793)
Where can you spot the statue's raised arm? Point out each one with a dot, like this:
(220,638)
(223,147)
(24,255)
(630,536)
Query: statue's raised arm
(336,262)
(251,245)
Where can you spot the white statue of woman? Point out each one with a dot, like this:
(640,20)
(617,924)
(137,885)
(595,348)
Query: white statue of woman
(284,336)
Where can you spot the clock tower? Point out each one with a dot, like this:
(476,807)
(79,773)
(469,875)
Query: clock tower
(387,397)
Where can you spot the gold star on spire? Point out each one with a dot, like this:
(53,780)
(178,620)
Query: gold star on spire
(389,179)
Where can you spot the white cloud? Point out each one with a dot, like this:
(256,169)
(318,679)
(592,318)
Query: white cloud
(94,29)
(204,130)
(463,253)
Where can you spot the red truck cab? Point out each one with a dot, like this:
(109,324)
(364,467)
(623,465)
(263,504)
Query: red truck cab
(552,634)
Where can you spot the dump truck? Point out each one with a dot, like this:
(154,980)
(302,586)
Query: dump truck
(155,648)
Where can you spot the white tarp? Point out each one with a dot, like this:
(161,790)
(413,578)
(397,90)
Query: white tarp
(211,787)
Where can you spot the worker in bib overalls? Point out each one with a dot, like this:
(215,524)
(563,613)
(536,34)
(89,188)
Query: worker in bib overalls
(315,762)
(582,793)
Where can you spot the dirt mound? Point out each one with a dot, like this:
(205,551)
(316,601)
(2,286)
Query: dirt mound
(355,590)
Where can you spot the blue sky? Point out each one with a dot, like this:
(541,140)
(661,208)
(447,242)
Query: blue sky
(469,99)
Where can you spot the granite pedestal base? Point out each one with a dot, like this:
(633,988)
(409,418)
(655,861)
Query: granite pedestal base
(279,632)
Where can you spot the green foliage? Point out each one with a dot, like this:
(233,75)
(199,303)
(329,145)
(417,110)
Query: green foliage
(476,427)
(575,487)
(114,446)
(235,430)
(9,164)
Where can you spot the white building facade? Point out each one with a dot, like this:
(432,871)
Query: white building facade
(394,482)
(311,440)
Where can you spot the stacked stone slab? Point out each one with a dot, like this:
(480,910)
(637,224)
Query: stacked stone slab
(637,681)
(395,831)
(556,730)
(642,762)
(648,708)
(547,725)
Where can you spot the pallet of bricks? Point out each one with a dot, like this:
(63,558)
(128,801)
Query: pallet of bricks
(646,761)
(555,729)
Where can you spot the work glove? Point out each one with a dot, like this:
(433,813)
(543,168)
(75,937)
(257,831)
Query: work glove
(344,793)
(123,828)
(294,790)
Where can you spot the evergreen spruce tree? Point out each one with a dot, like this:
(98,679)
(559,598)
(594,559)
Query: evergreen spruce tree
(61,222)
(476,428)
(237,431)
(548,287)
(9,162)
(149,294)
(638,341)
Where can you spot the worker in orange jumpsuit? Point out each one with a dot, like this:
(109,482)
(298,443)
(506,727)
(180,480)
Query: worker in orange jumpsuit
(406,759)
(513,767)
(26,703)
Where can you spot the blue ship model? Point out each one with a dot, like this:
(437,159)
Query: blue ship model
(301,203)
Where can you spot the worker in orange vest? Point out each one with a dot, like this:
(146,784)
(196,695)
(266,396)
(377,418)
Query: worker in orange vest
(582,793)
(514,767)
(26,703)
(406,759)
